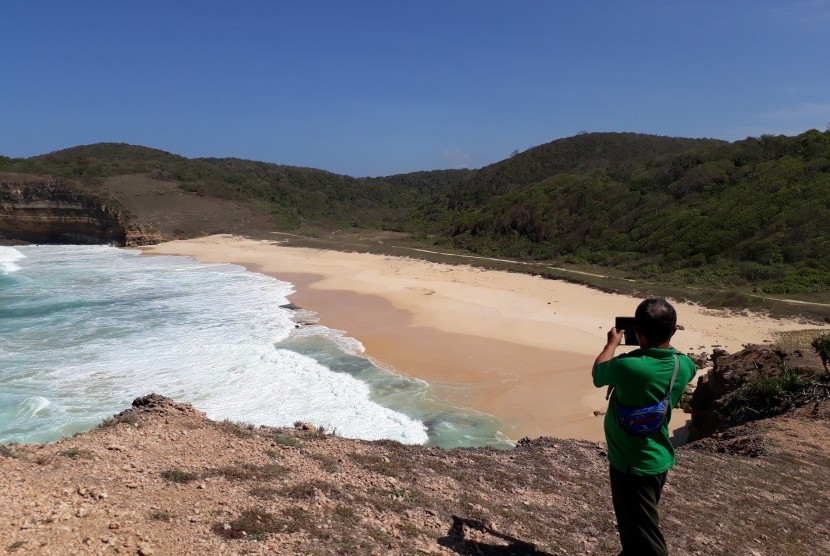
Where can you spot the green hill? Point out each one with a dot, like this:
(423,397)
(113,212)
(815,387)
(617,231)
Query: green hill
(295,196)
(749,214)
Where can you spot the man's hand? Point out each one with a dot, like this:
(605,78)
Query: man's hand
(615,338)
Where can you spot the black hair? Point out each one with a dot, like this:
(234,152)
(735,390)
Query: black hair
(656,319)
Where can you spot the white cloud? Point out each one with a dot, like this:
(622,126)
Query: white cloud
(813,14)
(457,158)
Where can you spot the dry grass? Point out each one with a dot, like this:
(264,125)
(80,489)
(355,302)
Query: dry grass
(252,524)
(251,472)
(178,475)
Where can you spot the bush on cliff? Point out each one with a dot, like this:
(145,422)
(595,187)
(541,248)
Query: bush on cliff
(822,346)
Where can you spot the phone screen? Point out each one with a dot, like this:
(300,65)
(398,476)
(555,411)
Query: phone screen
(627,324)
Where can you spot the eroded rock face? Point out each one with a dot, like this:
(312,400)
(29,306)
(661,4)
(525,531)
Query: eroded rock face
(717,405)
(55,212)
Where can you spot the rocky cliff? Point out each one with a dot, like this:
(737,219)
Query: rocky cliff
(752,384)
(160,478)
(38,211)
(45,210)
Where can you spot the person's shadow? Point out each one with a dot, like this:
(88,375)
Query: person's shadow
(456,540)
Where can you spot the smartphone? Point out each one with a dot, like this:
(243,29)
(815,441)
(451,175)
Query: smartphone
(627,324)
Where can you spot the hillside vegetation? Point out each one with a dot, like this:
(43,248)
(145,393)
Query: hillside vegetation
(293,196)
(753,214)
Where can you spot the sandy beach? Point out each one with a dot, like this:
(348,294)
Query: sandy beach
(515,346)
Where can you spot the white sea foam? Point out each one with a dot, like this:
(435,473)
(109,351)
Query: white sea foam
(338,337)
(34,405)
(101,326)
(8,258)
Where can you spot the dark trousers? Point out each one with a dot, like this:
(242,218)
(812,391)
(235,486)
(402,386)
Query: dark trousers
(635,504)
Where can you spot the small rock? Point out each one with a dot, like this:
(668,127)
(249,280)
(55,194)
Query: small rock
(202,486)
(145,550)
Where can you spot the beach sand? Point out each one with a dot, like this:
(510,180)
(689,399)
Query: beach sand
(516,346)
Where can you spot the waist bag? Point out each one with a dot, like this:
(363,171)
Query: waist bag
(646,420)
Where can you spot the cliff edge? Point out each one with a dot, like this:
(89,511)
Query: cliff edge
(161,478)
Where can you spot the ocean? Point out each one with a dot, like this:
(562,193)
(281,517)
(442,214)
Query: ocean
(84,330)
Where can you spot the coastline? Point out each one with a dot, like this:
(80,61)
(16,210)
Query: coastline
(515,346)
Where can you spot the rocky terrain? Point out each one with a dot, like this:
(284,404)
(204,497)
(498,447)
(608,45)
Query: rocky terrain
(160,478)
(754,383)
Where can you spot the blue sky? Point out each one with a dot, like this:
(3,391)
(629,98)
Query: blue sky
(382,87)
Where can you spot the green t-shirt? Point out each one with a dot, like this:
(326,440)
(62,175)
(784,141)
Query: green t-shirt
(640,379)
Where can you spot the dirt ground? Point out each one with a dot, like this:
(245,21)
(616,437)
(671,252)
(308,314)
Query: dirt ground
(163,479)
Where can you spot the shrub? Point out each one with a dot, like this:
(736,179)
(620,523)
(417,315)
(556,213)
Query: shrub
(178,475)
(822,346)
(75,453)
(254,524)
(237,428)
(765,394)
(250,472)
(284,441)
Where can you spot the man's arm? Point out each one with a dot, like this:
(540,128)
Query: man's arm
(615,338)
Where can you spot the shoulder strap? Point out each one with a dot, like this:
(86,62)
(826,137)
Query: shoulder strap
(673,376)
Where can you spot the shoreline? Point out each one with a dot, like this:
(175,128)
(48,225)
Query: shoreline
(514,346)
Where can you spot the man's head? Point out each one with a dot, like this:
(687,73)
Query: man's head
(656,321)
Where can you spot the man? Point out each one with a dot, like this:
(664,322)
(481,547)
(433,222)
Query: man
(639,464)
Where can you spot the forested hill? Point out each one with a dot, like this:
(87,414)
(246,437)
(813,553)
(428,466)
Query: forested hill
(749,214)
(616,153)
(753,212)
(293,196)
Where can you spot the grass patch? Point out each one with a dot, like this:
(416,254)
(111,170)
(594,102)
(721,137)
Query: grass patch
(75,453)
(307,490)
(329,464)
(409,529)
(286,441)
(251,472)
(765,394)
(385,466)
(128,417)
(237,428)
(264,492)
(300,520)
(253,524)
(178,475)
(15,545)
(161,515)
(345,514)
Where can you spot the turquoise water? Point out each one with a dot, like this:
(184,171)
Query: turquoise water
(86,329)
